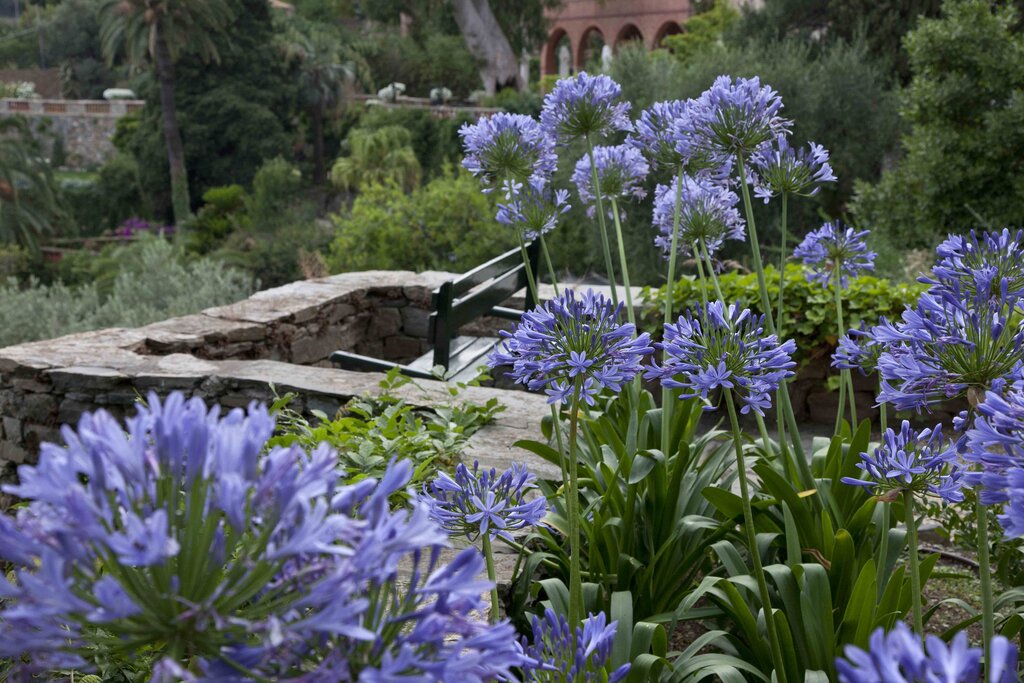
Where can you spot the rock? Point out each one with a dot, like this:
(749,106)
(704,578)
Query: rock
(384,323)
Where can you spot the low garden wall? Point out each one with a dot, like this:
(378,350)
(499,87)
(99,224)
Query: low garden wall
(232,354)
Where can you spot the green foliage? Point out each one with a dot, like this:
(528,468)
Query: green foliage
(809,310)
(448,224)
(435,141)
(277,256)
(421,63)
(702,32)
(965,106)
(234,114)
(222,213)
(648,530)
(153,282)
(31,205)
(837,96)
(526,102)
(376,157)
(370,431)
(118,193)
(276,187)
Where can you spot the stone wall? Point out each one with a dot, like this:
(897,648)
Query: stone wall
(87,126)
(232,354)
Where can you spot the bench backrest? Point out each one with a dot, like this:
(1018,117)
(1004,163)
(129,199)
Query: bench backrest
(477,293)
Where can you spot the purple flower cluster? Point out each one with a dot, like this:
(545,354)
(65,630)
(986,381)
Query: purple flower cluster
(181,535)
(899,656)
(923,462)
(733,117)
(949,345)
(707,214)
(533,209)
(833,244)
(584,106)
(724,347)
(653,134)
(996,443)
(562,656)
(781,168)
(505,148)
(858,350)
(1000,256)
(135,226)
(571,348)
(621,171)
(475,503)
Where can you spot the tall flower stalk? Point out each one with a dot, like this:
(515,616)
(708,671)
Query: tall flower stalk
(910,464)
(723,348)
(572,349)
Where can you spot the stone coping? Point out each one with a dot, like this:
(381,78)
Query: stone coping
(232,354)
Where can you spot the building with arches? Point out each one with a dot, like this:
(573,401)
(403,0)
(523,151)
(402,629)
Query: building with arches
(581,28)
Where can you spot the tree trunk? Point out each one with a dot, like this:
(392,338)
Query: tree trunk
(172,134)
(488,43)
(316,116)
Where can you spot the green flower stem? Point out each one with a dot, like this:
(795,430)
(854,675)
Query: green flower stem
(572,503)
(596,182)
(556,426)
(807,479)
(700,275)
(547,260)
(531,282)
(844,375)
(883,415)
(841,406)
(630,313)
(782,266)
(883,550)
(915,568)
(667,396)
(988,626)
(492,576)
(755,556)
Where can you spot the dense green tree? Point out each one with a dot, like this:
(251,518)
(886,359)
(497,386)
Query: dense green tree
(234,113)
(30,202)
(964,154)
(378,156)
(882,24)
(322,68)
(159,32)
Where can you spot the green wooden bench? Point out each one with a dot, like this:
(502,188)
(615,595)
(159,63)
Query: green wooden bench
(479,292)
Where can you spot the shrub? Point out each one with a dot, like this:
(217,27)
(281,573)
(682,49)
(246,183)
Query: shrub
(222,213)
(436,142)
(809,310)
(276,257)
(154,282)
(378,156)
(275,187)
(965,105)
(445,225)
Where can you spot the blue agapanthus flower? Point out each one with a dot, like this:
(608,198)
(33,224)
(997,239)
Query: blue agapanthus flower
(899,656)
(584,106)
(995,443)
(858,350)
(951,344)
(565,656)
(724,347)
(997,255)
(653,133)
(572,348)
(777,168)
(475,503)
(923,462)
(834,244)
(181,531)
(533,208)
(735,117)
(621,171)
(504,148)
(707,214)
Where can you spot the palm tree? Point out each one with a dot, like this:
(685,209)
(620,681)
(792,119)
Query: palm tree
(159,31)
(30,202)
(380,156)
(323,68)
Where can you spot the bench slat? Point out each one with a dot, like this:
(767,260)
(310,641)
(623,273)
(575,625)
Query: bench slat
(347,360)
